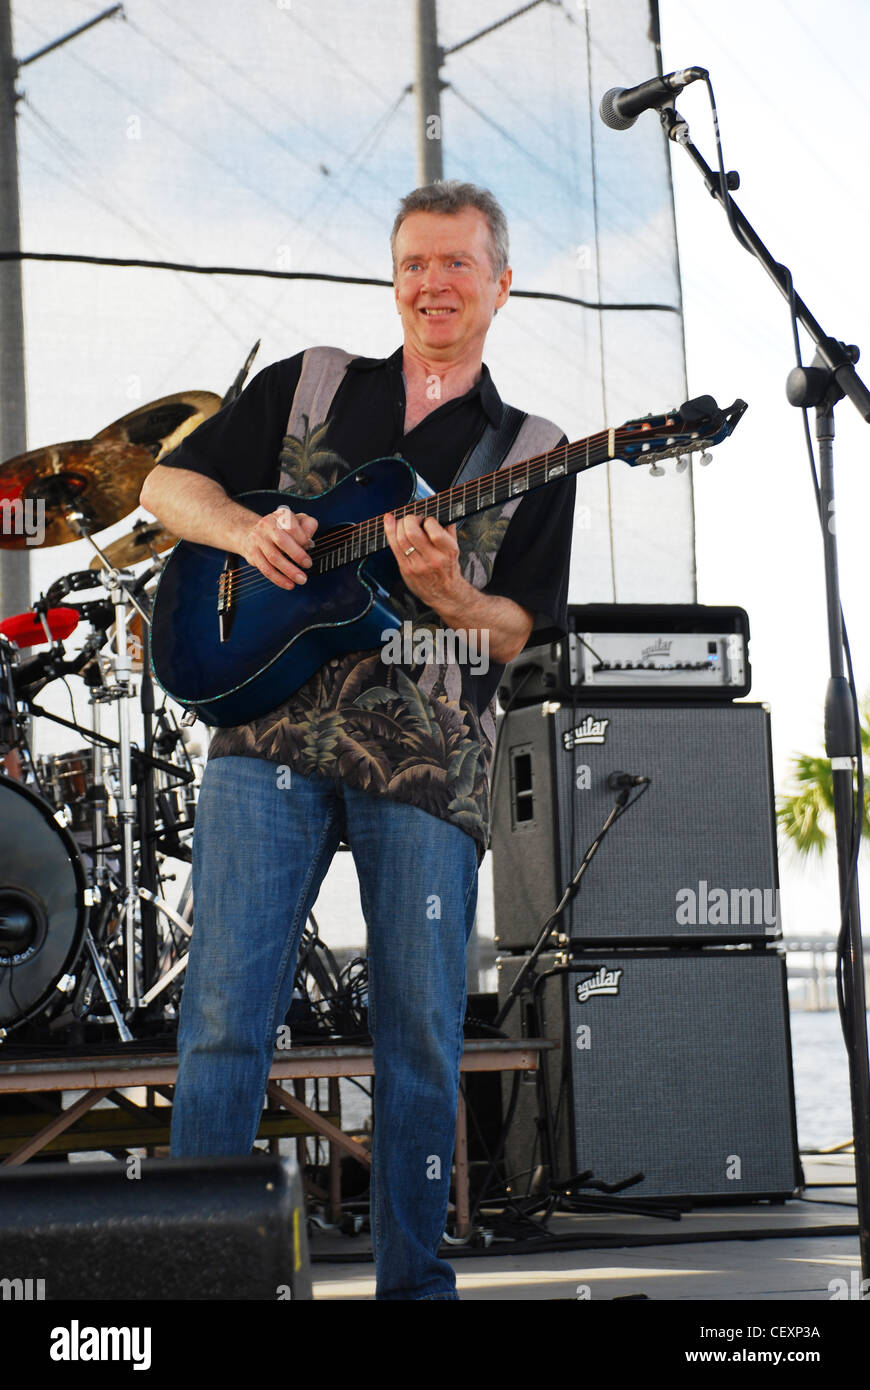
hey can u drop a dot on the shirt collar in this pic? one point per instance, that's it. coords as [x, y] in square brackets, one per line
[485, 387]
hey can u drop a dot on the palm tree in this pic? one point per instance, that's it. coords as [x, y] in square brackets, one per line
[806, 815]
[308, 465]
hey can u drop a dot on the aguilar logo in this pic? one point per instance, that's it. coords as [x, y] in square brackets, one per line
[658, 648]
[604, 981]
[592, 730]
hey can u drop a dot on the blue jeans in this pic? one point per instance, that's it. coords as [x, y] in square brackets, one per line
[261, 851]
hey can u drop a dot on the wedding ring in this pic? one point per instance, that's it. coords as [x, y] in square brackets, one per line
[410, 551]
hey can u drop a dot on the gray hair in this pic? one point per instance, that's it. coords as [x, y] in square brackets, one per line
[450, 196]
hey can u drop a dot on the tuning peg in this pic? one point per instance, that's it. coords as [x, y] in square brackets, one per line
[705, 458]
[656, 470]
[683, 462]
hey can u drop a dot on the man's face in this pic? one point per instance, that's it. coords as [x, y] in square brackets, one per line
[444, 283]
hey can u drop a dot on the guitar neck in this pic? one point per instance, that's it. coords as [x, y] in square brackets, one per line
[355, 542]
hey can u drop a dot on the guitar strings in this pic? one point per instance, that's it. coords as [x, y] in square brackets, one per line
[242, 580]
[245, 578]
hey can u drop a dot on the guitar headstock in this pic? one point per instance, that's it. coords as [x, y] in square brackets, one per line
[697, 425]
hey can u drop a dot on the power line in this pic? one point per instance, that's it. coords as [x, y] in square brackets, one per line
[817, 48]
[76, 182]
[505, 134]
[222, 96]
[253, 271]
[332, 181]
[499, 23]
[204, 154]
[363, 150]
[293, 14]
[258, 85]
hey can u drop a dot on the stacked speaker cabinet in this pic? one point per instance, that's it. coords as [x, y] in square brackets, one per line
[694, 859]
[669, 996]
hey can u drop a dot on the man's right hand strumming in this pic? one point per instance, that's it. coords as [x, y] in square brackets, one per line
[197, 508]
[277, 544]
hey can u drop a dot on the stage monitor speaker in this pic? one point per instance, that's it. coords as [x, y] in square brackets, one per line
[676, 1065]
[693, 861]
[167, 1228]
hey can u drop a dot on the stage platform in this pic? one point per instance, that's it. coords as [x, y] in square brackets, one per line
[757, 1252]
[802, 1249]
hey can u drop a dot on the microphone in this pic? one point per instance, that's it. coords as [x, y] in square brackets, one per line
[619, 780]
[621, 106]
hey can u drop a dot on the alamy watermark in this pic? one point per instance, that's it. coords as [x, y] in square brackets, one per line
[410, 646]
[723, 907]
[23, 517]
[23, 1290]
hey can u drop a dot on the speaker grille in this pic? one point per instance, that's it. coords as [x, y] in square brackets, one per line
[694, 859]
[684, 1073]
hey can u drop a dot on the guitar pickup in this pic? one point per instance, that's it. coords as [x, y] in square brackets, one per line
[226, 603]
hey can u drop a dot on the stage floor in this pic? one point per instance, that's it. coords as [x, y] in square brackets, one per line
[686, 1261]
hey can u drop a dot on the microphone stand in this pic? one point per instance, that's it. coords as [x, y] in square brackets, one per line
[831, 376]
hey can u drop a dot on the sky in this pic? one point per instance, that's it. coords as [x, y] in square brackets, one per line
[158, 136]
[794, 116]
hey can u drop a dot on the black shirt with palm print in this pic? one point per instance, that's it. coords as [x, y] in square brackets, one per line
[420, 732]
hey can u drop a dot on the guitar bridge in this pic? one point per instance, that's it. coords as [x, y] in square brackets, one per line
[226, 598]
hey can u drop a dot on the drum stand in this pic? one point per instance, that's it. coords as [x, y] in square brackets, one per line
[120, 691]
[135, 895]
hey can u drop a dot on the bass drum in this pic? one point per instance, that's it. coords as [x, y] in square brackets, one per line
[42, 904]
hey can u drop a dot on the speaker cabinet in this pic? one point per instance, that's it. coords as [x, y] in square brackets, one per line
[171, 1228]
[525, 1147]
[693, 861]
[675, 1065]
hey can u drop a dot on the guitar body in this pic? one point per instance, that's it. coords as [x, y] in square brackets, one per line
[234, 661]
[276, 638]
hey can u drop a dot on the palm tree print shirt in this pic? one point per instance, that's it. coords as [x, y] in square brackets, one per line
[391, 721]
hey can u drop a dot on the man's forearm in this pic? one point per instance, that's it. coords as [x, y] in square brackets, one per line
[196, 508]
[507, 622]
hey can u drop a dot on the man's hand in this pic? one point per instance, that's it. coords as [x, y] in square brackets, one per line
[277, 545]
[431, 570]
[197, 508]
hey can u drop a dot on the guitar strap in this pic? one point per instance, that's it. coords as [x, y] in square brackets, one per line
[492, 447]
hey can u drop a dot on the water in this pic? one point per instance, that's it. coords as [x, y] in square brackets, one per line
[821, 1077]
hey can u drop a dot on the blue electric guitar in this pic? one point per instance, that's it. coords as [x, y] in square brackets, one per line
[230, 645]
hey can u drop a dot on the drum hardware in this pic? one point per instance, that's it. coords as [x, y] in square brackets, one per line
[108, 989]
[72, 584]
[142, 811]
[148, 538]
[181, 963]
[64, 780]
[10, 722]
[81, 488]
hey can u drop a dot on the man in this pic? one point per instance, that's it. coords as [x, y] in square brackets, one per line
[391, 757]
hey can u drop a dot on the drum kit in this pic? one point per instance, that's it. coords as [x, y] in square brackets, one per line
[88, 944]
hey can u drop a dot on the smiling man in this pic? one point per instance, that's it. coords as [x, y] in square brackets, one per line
[391, 756]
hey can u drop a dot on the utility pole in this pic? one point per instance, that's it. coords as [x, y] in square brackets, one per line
[429, 85]
[430, 164]
[15, 594]
[14, 564]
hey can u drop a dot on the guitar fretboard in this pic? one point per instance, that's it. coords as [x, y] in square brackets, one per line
[355, 542]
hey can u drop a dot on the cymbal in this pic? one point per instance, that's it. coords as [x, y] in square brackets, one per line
[161, 426]
[100, 479]
[147, 539]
